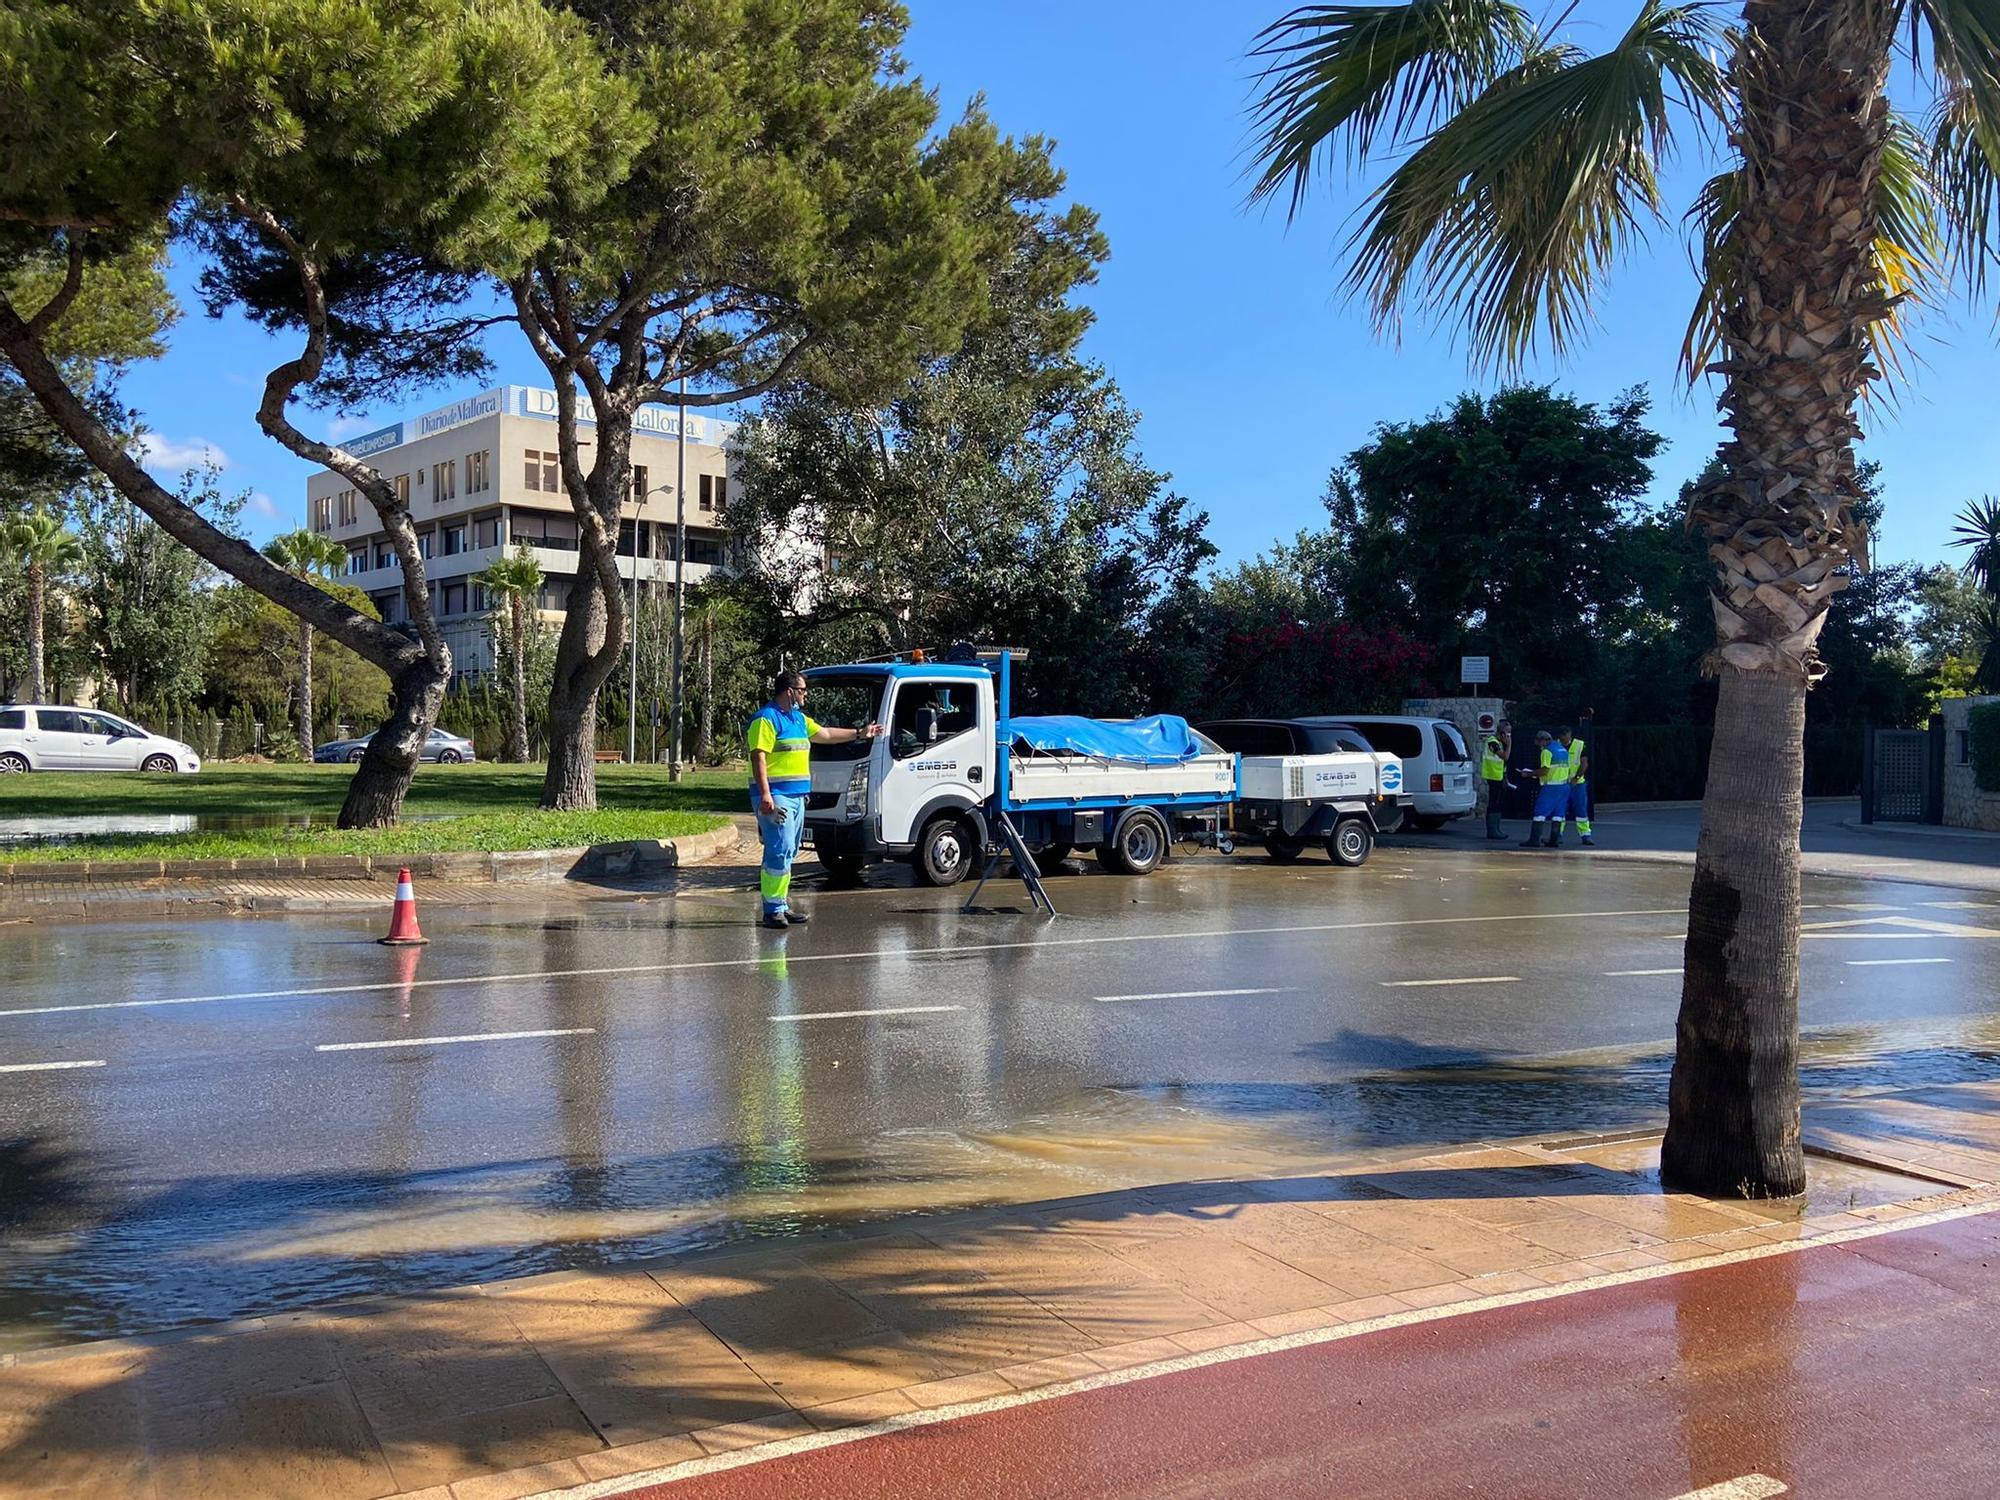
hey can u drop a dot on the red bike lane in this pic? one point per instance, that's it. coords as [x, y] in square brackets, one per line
[1863, 1368]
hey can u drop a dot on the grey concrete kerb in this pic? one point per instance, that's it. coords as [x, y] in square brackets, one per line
[1921, 830]
[632, 858]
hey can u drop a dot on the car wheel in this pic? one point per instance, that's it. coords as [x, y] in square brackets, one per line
[159, 763]
[1430, 823]
[1281, 848]
[1138, 847]
[13, 764]
[354, 756]
[944, 850]
[1351, 842]
[449, 757]
[1049, 858]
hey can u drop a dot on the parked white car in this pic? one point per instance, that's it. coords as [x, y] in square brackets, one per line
[1437, 768]
[46, 737]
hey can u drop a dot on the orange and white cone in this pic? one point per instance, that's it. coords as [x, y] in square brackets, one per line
[403, 930]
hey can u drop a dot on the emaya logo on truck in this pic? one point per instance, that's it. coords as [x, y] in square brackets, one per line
[933, 765]
[1392, 776]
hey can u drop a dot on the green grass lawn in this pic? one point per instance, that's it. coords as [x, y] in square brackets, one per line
[450, 808]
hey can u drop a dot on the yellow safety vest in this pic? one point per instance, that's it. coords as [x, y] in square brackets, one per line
[1555, 772]
[787, 755]
[1577, 746]
[1491, 766]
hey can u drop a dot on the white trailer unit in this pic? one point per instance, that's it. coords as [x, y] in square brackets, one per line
[1344, 797]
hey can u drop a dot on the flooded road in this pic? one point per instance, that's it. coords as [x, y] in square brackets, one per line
[223, 1118]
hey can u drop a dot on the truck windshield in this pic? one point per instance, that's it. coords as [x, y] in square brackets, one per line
[843, 703]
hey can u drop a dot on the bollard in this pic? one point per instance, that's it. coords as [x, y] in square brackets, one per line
[403, 930]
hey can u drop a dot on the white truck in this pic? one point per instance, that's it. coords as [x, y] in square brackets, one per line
[957, 776]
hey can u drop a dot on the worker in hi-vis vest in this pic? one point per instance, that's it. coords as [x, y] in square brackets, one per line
[1493, 771]
[780, 738]
[1579, 789]
[1552, 801]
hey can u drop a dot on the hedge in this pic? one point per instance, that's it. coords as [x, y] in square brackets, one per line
[1984, 721]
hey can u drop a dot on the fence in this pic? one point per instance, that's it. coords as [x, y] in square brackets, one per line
[1669, 762]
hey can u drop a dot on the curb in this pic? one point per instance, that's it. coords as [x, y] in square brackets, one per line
[636, 857]
[1921, 831]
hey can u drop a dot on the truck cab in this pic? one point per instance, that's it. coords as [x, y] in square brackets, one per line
[930, 771]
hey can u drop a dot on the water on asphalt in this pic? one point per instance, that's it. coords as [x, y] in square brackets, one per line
[267, 1113]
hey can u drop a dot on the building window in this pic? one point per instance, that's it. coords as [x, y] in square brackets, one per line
[705, 551]
[385, 557]
[454, 599]
[550, 531]
[478, 472]
[357, 562]
[403, 489]
[424, 539]
[640, 489]
[479, 601]
[543, 472]
[486, 531]
[323, 513]
[444, 481]
[345, 508]
[454, 540]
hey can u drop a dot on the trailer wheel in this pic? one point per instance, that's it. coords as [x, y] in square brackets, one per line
[1351, 842]
[944, 850]
[1049, 858]
[1282, 848]
[1139, 845]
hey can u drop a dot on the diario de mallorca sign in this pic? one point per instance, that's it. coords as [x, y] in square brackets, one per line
[525, 401]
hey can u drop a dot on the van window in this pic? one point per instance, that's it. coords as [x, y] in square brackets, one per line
[1450, 747]
[1405, 741]
[60, 721]
[1251, 739]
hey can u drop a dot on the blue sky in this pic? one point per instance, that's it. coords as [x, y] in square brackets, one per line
[1223, 326]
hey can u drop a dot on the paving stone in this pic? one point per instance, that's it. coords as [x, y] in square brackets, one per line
[533, 1479]
[437, 1358]
[671, 1377]
[1219, 1336]
[638, 1458]
[1361, 1309]
[1234, 1279]
[958, 1389]
[767, 1301]
[1581, 1235]
[451, 1449]
[309, 1442]
[839, 1371]
[1424, 1298]
[738, 1435]
[1138, 1352]
[1043, 1372]
[858, 1410]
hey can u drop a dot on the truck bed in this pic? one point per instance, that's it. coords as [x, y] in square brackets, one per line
[1055, 781]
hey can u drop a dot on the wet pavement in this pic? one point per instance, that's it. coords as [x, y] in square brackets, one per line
[213, 1119]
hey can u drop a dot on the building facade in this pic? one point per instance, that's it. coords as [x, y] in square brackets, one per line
[481, 476]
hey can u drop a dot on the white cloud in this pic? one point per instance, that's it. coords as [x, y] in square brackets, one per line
[262, 504]
[347, 427]
[171, 457]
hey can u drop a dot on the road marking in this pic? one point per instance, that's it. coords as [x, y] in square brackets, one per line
[886, 1010]
[1187, 995]
[446, 1041]
[1879, 963]
[1418, 984]
[757, 962]
[1636, 973]
[48, 1067]
[1746, 1487]
[604, 1489]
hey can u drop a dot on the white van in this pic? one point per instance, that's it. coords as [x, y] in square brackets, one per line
[51, 737]
[1438, 770]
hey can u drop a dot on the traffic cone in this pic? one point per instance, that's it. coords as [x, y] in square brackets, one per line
[403, 931]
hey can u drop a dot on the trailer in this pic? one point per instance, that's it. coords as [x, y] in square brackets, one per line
[957, 779]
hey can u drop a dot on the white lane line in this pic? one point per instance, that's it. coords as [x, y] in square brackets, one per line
[49, 1067]
[446, 1041]
[886, 1010]
[1637, 973]
[718, 1463]
[1420, 984]
[945, 951]
[1188, 995]
[1744, 1487]
[1883, 963]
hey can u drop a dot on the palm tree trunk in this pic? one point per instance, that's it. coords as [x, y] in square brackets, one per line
[305, 691]
[1778, 524]
[517, 721]
[37, 620]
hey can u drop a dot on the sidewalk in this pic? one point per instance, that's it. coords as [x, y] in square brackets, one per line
[505, 1390]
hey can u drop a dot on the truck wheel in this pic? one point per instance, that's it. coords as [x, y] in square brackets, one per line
[842, 866]
[1282, 848]
[944, 850]
[1351, 842]
[1049, 858]
[1138, 847]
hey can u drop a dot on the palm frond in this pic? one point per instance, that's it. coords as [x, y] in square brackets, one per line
[1964, 48]
[1362, 70]
[1979, 529]
[1909, 248]
[1513, 210]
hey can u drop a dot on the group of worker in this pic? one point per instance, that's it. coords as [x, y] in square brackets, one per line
[1562, 782]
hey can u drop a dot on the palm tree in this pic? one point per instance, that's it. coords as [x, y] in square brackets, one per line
[1525, 167]
[308, 555]
[517, 579]
[43, 548]
[1979, 528]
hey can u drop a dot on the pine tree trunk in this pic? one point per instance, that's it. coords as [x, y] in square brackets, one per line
[517, 719]
[37, 622]
[1778, 524]
[570, 783]
[382, 780]
[305, 692]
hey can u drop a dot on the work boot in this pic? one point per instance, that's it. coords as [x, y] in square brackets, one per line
[796, 917]
[1555, 841]
[1589, 842]
[1531, 841]
[776, 921]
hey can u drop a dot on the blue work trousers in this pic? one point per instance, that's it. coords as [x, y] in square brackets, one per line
[780, 835]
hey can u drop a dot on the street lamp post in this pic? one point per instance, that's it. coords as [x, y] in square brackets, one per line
[680, 590]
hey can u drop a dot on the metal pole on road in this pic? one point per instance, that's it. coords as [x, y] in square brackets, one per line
[632, 660]
[680, 589]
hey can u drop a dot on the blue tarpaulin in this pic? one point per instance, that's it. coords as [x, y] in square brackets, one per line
[1159, 740]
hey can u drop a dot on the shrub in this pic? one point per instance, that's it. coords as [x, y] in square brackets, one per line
[1984, 721]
